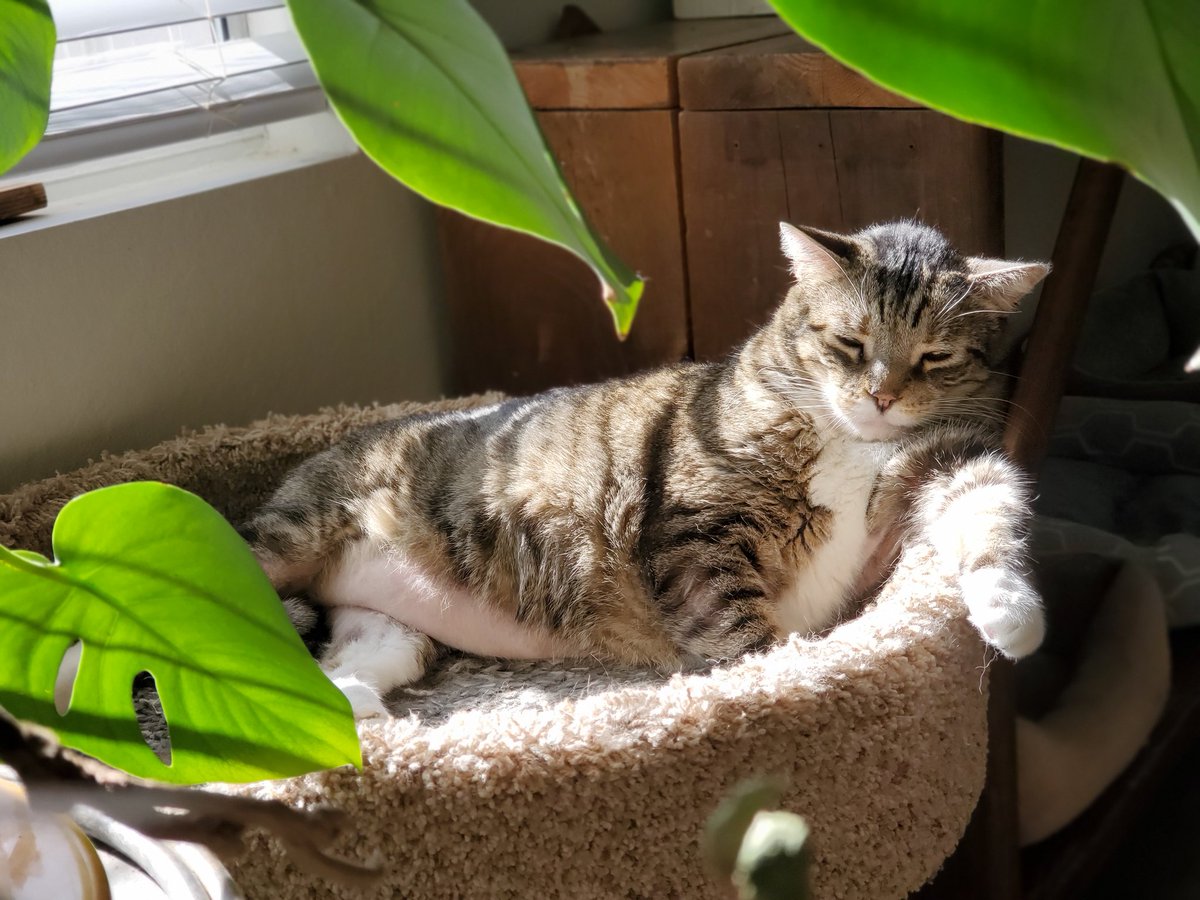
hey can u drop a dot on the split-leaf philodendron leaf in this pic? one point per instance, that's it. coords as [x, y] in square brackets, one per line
[1111, 79]
[26, 54]
[428, 92]
[150, 578]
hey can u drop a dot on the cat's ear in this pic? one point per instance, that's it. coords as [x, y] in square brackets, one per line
[1000, 283]
[816, 253]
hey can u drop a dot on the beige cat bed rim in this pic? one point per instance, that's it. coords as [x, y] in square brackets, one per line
[880, 729]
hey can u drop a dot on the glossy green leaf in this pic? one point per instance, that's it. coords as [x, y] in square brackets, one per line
[1111, 79]
[428, 92]
[26, 54]
[151, 578]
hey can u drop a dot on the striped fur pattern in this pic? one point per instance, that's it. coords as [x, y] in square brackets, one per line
[701, 510]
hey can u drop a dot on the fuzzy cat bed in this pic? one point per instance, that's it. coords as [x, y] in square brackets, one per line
[541, 780]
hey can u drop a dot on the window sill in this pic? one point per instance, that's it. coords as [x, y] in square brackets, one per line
[116, 183]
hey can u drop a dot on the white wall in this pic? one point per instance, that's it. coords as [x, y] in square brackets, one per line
[1037, 180]
[282, 294]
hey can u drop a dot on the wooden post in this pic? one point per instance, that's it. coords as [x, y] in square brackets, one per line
[987, 863]
[1056, 326]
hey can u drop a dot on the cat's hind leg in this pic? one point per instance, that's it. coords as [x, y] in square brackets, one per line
[720, 612]
[306, 523]
[369, 654]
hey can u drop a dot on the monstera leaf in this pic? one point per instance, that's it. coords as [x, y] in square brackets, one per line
[1111, 79]
[149, 578]
[26, 54]
[428, 92]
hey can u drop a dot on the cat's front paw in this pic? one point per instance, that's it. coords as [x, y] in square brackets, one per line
[1006, 609]
[364, 699]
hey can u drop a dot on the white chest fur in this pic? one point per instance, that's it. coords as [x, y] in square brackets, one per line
[846, 473]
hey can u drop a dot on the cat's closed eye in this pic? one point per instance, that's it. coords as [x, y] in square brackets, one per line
[935, 356]
[852, 345]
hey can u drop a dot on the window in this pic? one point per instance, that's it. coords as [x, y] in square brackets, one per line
[134, 74]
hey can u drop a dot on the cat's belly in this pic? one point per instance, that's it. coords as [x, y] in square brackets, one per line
[368, 577]
[846, 474]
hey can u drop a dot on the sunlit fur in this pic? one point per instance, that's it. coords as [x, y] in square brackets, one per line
[697, 510]
[893, 314]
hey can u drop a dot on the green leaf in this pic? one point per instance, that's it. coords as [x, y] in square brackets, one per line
[774, 859]
[428, 92]
[151, 578]
[727, 825]
[1111, 79]
[26, 54]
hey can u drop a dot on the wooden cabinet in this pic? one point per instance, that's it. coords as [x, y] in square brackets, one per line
[687, 143]
[525, 315]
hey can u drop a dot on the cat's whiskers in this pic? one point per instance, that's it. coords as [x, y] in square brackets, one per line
[983, 312]
[782, 378]
[969, 408]
[786, 372]
[814, 407]
[799, 390]
[949, 307]
[1003, 400]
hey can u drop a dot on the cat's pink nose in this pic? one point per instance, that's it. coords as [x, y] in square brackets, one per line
[883, 399]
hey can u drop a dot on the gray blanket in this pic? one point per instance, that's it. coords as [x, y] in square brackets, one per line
[1122, 479]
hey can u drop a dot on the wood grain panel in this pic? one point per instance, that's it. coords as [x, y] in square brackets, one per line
[737, 187]
[810, 170]
[744, 171]
[525, 315]
[632, 69]
[776, 73]
[897, 163]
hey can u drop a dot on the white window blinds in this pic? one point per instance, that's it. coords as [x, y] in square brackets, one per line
[130, 74]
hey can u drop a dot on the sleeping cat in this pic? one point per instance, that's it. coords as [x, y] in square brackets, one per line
[701, 510]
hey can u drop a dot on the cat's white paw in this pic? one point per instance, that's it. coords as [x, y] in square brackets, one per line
[364, 699]
[1006, 609]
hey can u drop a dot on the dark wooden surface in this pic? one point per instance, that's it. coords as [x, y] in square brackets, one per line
[784, 72]
[525, 315]
[21, 199]
[735, 192]
[744, 172]
[920, 163]
[987, 864]
[634, 69]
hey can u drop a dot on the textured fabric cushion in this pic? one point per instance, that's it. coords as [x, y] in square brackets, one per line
[541, 780]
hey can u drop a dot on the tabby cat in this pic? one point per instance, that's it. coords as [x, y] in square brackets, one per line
[701, 510]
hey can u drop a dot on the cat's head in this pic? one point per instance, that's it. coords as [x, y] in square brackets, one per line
[892, 326]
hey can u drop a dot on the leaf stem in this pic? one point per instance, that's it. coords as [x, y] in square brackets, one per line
[8, 557]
